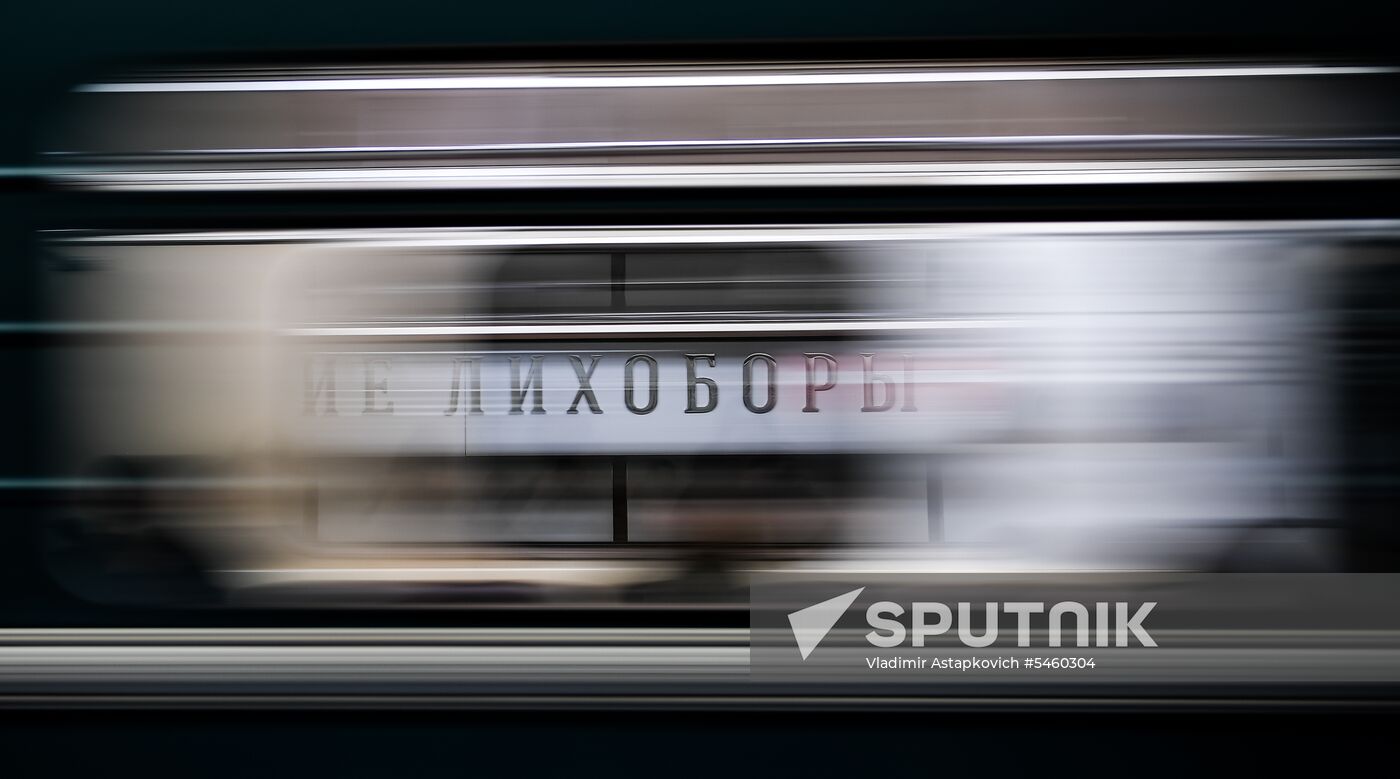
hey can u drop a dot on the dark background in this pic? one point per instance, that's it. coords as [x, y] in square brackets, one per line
[46, 46]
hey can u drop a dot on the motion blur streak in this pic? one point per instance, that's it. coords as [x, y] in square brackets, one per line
[720, 79]
[865, 391]
[511, 384]
[755, 125]
[632, 667]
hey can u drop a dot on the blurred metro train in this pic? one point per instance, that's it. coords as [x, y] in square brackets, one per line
[1047, 316]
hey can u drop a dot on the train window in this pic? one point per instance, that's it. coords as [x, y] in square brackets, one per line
[414, 500]
[659, 283]
[443, 287]
[782, 500]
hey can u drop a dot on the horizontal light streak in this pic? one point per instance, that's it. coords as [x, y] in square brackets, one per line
[687, 235]
[641, 328]
[744, 143]
[720, 78]
[730, 175]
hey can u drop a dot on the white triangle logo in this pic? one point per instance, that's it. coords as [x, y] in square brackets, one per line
[810, 625]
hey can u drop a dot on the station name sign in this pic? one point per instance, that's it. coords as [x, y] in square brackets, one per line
[886, 382]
